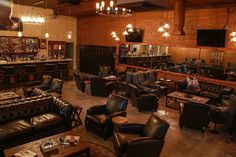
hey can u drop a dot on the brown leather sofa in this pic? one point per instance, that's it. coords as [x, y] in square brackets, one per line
[99, 118]
[141, 140]
[210, 90]
[35, 117]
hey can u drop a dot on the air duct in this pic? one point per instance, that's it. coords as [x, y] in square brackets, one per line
[179, 18]
[5, 14]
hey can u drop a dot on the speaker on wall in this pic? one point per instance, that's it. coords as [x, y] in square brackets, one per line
[74, 2]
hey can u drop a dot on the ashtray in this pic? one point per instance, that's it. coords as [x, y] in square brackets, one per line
[188, 95]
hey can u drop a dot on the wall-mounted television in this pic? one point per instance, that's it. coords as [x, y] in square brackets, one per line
[211, 37]
[136, 36]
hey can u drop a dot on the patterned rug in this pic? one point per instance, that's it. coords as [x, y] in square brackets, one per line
[97, 150]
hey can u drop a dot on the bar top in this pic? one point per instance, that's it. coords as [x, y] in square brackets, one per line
[34, 61]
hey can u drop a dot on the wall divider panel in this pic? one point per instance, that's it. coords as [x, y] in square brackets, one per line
[92, 56]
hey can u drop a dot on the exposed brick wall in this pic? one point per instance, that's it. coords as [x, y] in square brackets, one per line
[96, 30]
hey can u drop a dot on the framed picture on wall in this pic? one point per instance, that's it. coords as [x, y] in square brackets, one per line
[43, 43]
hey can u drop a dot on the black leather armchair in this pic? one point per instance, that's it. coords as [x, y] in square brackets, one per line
[99, 118]
[226, 115]
[139, 140]
[80, 81]
[118, 87]
[144, 102]
[55, 86]
[43, 84]
[195, 116]
[98, 86]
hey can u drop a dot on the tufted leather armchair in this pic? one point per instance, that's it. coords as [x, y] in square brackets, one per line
[139, 140]
[144, 102]
[99, 118]
[55, 86]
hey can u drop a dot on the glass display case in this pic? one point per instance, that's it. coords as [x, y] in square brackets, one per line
[16, 45]
[56, 49]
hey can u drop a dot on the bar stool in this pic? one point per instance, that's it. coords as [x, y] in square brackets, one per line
[10, 78]
[63, 71]
[49, 69]
[30, 73]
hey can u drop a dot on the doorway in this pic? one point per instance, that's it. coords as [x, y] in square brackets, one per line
[69, 50]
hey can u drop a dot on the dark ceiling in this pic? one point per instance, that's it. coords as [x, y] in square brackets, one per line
[87, 7]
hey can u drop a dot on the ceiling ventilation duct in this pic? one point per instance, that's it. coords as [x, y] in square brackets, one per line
[5, 13]
[179, 18]
[142, 5]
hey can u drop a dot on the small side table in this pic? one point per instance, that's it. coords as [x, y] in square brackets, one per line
[119, 120]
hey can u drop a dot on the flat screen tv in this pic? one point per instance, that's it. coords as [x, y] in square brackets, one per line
[136, 36]
[211, 38]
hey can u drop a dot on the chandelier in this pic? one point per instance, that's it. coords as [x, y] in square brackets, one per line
[111, 10]
[32, 20]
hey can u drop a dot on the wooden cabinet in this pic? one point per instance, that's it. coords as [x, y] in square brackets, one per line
[56, 48]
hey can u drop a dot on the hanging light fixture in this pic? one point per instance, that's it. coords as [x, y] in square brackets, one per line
[233, 34]
[164, 27]
[19, 34]
[113, 35]
[111, 10]
[128, 29]
[69, 33]
[46, 34]
[165, 34]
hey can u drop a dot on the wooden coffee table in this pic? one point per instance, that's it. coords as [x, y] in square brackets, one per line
[9, 96]
[81, 148]
[183, 97]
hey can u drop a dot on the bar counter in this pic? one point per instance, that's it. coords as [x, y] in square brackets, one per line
[34, 61]
[20, 68]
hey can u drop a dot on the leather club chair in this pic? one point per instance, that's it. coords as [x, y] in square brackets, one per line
[144, 102]
[44, 83]
[194, 116]
[80, 81]
[99, 118]
[141, 140]
[98, 86]
[226, 115]
[104, 70]
[55, 86]
[118, 87]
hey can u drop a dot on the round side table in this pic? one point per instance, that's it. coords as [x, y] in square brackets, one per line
[119, 120]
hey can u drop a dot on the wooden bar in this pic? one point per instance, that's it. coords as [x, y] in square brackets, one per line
[20, 68]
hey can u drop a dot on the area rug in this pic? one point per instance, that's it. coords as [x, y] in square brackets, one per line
[97, 150]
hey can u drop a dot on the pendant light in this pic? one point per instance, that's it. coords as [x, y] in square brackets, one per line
[46, 34]
[69, 32]
[19, 34]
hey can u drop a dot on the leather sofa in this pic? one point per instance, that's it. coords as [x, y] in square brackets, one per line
[194, 116]
[99, 118]
[35, 117]
[210, 90]
[141, 140]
